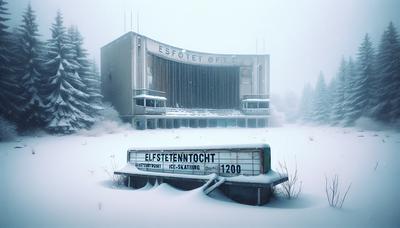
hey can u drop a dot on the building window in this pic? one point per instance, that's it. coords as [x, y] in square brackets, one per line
[149, 103]
[159, 104]
[263, 104]
[252, 105]
[140, 102]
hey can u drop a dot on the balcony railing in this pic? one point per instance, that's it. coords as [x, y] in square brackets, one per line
[256, 111]
[259, 96]
[142, 110]
[148, 92]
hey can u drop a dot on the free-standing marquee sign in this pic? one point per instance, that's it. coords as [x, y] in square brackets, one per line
[243, 172]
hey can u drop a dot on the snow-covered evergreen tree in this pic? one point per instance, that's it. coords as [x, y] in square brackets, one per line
[94, 87]
[321, 106]
[28, 70]
[9, 90]
[337, 109]
[330, 98]
[388, 66]
[366, 73]
[88, 75]
[359, 81]
[351, 77]
[65, 96]
[306, 104]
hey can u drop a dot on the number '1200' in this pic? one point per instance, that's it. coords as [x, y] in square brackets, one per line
[230, 168]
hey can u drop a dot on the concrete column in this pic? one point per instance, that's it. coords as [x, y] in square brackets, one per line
[176, 123]
[254, 78]
[143, 48]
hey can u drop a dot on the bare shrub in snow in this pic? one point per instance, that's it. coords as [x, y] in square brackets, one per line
[7, 130]
[117, 180]
[333, 193]
[291, 188]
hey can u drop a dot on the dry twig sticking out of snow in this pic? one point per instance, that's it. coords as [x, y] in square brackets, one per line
[333, 193]
[117, 180]
[376, 165]
[291, 188]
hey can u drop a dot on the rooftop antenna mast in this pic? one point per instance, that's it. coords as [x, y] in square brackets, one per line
[131, 21]
[137, 21]
[263, 45]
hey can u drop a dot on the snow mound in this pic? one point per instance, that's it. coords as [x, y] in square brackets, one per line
[107, 123]
[109, 113]
[105, 127]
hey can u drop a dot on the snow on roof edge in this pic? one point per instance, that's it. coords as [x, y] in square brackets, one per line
[150, 97]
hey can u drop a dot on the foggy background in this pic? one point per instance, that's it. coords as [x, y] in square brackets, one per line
[303, 37]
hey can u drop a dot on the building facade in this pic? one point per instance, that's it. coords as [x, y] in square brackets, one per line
[155, 85]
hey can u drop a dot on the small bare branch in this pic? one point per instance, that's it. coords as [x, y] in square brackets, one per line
[333, 193]
[116, 179]
[291, 188]
[376, 165]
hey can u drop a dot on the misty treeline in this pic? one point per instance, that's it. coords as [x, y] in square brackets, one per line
[50, 85]
[367, 86]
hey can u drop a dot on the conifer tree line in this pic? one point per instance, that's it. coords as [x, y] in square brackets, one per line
[367, 86]
[51, 84]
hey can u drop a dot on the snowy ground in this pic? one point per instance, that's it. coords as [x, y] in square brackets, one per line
[62, 181]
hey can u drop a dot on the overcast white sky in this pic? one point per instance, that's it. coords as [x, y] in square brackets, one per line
[303, 37]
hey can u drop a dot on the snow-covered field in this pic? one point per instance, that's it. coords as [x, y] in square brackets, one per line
[63, 181]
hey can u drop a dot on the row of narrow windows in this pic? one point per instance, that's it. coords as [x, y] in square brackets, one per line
[193, 86]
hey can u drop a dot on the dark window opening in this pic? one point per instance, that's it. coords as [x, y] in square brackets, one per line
[159, 104]
[263, 104]
[140, 102]
[252, 105]
[149, 103]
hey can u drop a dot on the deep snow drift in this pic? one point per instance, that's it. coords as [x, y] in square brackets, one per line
[64, 181]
